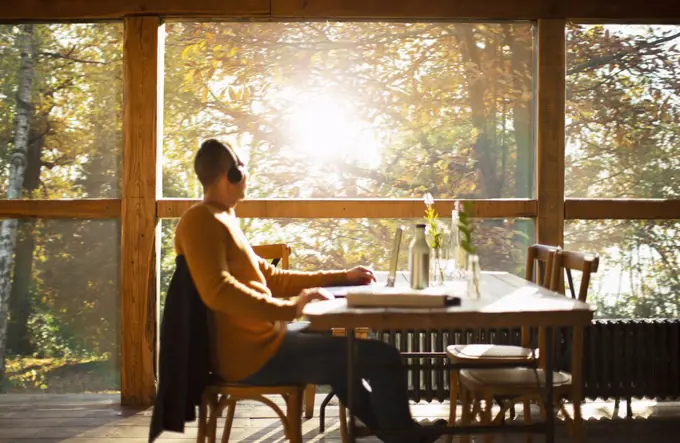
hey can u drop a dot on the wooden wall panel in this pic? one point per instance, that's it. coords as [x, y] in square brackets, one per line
[111, 9]
[138, 214]
[550, 131]
[337, 208]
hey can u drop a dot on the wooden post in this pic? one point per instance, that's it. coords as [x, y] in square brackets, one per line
[138, 210]
[550, 131]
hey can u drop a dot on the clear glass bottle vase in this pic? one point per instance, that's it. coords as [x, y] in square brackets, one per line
[457, 255]
[474, 274]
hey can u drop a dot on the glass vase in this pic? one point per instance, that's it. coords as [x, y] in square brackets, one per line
[438, 266]
[474, 274]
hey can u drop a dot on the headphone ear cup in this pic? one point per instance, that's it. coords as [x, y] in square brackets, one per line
[235, 175]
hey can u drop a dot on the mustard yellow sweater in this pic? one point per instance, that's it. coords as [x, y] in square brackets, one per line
[250, 300]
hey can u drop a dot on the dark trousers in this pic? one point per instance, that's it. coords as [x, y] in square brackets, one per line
[380, 392]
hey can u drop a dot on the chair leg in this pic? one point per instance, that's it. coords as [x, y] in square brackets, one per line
[310, 392]
[202, 420]
[486, 416]
[294, 416]
[453, 396]
[453, 400]
[231, 410]
[322, 411]
[214, 411]
[466, 414]
[577, 419]
[527, 417]
[344, 434]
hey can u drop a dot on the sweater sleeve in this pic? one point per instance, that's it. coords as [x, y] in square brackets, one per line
[286, 284]
[204, 242]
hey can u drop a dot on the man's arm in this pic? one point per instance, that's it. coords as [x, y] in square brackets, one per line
[286, 283]
[203, 241]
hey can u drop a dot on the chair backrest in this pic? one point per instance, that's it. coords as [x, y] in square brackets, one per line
[277, 253]
[544, 256]
[567, 261]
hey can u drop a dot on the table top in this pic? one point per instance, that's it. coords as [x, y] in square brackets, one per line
[506, 301]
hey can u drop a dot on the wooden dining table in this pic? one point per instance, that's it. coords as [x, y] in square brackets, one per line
[506, 301]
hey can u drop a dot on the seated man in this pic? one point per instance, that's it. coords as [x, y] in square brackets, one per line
[251, 301]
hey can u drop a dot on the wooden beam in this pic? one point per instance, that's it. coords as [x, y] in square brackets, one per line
[85, 209]
[138, 214]
[550, 131]
[477, 9]
[405, 9]
[662, 11]
[118, 9]
[356, 208]
[622, 209]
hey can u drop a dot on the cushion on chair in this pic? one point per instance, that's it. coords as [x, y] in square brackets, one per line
[520, 378]
[487, 353]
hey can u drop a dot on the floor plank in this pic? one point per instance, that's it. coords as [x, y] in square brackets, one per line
[96, 418]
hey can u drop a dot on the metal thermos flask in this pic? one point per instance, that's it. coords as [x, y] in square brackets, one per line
[419, 259]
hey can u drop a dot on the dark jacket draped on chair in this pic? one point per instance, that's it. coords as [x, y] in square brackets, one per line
[184, 360]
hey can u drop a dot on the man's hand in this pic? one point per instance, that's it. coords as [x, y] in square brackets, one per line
[307, 295]
[360, 275]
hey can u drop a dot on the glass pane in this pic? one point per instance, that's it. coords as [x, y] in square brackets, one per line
[343, 243]
[639, 260]
[64, 306]
[623, 110]
[354, 110]
[61, 94]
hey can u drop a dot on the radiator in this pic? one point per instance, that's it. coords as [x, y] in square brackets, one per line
[622, 358]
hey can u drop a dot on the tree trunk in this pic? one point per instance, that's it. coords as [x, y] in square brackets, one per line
[8, 232]
[484, 147]
[20, 304]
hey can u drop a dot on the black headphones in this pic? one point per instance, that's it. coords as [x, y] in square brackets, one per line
[235, 174]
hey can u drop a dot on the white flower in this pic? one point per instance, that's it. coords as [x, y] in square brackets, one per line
[429, 201]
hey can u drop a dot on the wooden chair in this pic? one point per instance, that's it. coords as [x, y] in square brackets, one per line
[521, 384]
[219, 395]
[539, 270]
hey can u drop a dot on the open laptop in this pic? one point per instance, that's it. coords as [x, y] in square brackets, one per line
[341, 291]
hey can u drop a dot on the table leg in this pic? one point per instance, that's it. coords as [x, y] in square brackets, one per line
[350, 385]
[549, 400]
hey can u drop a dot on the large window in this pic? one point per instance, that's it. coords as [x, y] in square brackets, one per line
[61, 97]
[623, 141]
[365, 110]
[61, 94]
[63, 332]
[639, 261]
[623, 110]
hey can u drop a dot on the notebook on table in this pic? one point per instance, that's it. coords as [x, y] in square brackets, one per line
[401, 297]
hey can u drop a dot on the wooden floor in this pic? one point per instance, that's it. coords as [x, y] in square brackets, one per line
[95, 418]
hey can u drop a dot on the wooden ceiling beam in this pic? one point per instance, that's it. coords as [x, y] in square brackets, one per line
[660, 11]
[117, 9]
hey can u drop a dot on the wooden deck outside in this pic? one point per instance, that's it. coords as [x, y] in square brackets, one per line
[94, 418]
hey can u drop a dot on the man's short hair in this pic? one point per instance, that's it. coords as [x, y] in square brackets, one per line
[213, 160]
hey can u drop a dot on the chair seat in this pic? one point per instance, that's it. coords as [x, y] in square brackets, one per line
[488, 353]
[509, 378]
